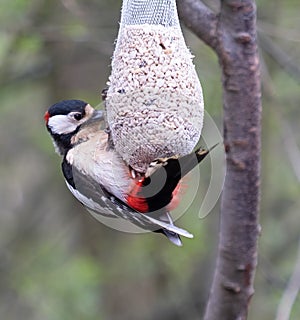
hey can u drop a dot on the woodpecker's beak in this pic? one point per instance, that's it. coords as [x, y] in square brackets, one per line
[98, 115]
[94, 117]
[93, 114]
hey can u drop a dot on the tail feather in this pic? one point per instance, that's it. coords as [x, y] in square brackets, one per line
[172, 236]
[189, 162]
[170, 230]
[168, 226]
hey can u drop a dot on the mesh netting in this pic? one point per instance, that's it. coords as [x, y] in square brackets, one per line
[154, 101]
[157, 12]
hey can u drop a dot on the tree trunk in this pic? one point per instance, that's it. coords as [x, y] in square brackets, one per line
[232, 35]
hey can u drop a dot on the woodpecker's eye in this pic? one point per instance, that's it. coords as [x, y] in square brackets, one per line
[76, 115]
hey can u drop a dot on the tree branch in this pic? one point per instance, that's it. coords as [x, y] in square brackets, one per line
[232, 286]
[200, 19]
[232, 34]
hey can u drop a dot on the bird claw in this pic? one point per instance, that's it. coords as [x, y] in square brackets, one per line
[134, 174]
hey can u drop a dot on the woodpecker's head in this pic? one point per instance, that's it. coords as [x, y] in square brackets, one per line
[63, 121]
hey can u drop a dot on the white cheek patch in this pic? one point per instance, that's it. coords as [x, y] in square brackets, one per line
[62, 124]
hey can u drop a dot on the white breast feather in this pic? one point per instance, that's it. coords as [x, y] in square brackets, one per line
[105, 167]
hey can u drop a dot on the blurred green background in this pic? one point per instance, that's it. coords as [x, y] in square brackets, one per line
[56, 261]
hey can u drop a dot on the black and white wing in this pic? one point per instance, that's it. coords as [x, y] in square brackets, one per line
[94, 196]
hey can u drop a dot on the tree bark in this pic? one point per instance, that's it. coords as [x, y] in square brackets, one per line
[231, 33]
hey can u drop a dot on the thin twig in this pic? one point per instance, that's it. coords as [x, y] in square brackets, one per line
[293, 287]
[290, 293]
[284, 60]
[292, 149]
[278, 32]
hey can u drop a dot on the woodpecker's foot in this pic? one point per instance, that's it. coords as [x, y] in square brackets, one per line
[134, 174]
[110, 143]
[104, 93]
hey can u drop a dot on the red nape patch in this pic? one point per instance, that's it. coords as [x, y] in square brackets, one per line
[135, 201]
[46, 117]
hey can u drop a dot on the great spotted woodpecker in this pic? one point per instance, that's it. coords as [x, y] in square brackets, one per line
[98, 177]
